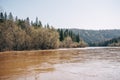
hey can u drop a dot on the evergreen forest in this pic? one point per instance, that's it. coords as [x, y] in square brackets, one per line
[25, 34]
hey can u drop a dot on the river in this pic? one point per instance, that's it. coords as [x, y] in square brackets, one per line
[91, 63]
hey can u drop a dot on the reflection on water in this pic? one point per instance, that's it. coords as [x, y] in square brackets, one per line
[62, 64]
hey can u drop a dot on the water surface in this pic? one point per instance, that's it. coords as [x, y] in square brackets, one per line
[61, 64]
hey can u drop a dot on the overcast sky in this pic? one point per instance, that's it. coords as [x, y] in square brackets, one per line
[82, 14]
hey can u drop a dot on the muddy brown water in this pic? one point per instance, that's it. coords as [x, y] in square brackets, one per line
[61, 64]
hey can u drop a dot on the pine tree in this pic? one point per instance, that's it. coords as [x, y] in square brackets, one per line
[16, 19]
[66, 33]
[48, 26]
[61, 35]
[27, 21]
[40, 24]
[5, 16]
[77, 38]
[1, 17]
[32, 24]
[10, 17]
[36, 21]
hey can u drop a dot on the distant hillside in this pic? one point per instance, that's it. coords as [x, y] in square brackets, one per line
[95, 36]
[112, 42]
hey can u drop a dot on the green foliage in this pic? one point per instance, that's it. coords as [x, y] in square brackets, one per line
[10, 17]
[67, 42]
[93, 37]
[61, 33]
[65, 33]
[82, 44]
[21, 35]
[77, 38]
[5, 16]
[70, 39]
[111, 42]
[1, 17]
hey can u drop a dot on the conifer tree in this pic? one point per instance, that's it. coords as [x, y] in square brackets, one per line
[36, 22]
[10, 17]
[27, 22]
[40, 24]
[5, 16]
[48, 26]
[77, 38]
[1, 17]
[61, 35]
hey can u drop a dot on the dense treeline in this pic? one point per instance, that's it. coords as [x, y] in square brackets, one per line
[23, 34]
[69, 39]
[19, 34]
[65, 32]
[111, 42]
[93, 37]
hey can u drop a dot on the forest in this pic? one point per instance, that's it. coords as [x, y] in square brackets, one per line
[95, 37]
[111, 42]
[25, 34]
